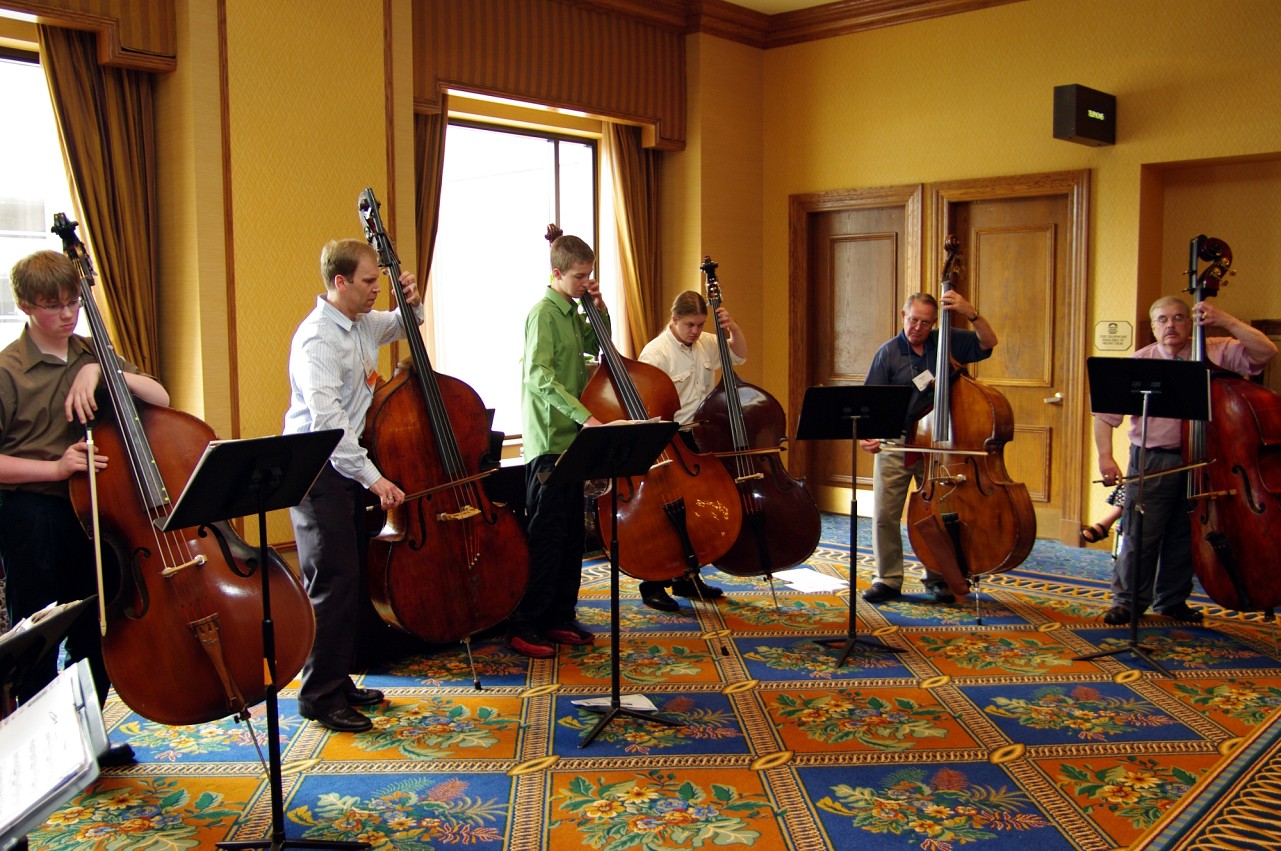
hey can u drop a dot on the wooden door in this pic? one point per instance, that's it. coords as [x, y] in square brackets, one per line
[860, 255]
[857, 254]
[1024, 270]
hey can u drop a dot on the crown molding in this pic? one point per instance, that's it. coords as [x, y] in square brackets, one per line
[852, 16]
[736, 23]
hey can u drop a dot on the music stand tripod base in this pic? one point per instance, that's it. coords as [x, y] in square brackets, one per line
[239, 478]
[838, 412]
[614, 451]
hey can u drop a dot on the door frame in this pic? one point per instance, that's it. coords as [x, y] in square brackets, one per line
[799, 287]
[1075, 185]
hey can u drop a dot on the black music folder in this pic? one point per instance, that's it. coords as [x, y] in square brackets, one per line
[237, 478]
[1175, 389]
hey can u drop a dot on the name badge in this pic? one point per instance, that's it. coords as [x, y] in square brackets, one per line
[923, 380]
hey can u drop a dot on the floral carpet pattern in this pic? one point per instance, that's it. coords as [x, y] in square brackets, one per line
[984, 730]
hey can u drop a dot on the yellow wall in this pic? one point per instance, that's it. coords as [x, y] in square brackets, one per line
[193, 298]
[717, 182]
[971, 96]
[308, 127]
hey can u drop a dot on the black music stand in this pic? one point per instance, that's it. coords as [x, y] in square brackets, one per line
[21, 651]
[236, 478]
[866, 412]
[612, 451]
[1145, 387]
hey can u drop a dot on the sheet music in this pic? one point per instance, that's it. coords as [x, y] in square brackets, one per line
[27, 622]
[44, 754]
[810, 581]
[636, 702]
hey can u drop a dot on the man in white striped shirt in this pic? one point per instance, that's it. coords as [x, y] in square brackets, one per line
[332, 373]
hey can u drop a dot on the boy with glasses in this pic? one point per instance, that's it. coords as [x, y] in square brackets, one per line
[48, 380]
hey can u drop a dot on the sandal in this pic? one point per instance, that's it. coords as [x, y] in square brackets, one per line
[1094, 534]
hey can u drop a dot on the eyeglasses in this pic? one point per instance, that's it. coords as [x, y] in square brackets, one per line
[917, 323]
[1162, 321]
[73, 305]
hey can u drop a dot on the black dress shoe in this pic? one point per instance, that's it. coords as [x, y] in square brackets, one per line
[116, 755]
[654, 595]
[1116, 615]
[695, 588]
[1182, 612]
[880, 593]
[344, 719]
[365, 697]
[941, 594]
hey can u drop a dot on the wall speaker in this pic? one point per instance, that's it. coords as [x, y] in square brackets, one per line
[1084, 115]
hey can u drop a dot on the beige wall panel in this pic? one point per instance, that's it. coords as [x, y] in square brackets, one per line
[1241, 204]
[194, 303]
[1012, 280]
[308, 131]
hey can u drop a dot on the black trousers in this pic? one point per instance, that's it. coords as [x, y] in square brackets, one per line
[555, 536]
[329, 528]
[48, 559]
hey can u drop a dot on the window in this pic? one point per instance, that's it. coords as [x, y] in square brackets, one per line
[33, 182]
[501, 187]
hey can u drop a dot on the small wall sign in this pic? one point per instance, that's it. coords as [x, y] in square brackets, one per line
[1113, 336]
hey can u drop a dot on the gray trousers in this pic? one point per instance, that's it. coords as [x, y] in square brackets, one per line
[891, 481]
[1163, 578]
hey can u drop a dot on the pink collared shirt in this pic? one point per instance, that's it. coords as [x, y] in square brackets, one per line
[1164, 433]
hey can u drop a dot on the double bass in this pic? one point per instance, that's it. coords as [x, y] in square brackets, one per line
[184, 636]
[1235, 498]
[745, 427]
[968, 518]
[447, 563]
[682, 514]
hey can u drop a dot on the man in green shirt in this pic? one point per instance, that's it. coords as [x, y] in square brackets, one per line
[554, 374]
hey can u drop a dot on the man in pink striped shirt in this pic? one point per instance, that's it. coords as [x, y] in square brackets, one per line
[1164, 578]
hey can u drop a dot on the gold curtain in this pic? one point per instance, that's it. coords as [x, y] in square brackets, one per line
[429, 166]
[106, 125]
[634, 172]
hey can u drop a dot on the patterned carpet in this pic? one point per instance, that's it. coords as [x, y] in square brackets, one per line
[986, 735]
